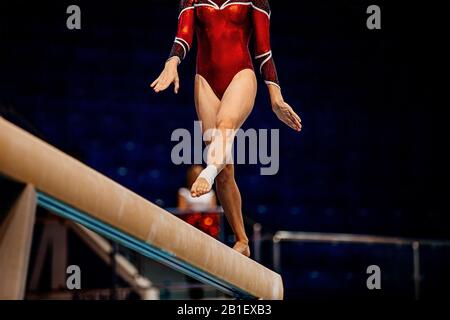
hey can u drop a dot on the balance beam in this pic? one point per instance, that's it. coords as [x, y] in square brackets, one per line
[71, 189]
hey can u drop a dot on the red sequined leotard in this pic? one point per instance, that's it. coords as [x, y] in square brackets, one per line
[223, 30]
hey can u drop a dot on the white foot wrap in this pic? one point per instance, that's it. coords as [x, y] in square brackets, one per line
[209, 174]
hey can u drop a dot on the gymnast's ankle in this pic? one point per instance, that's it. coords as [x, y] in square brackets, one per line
[242, 247]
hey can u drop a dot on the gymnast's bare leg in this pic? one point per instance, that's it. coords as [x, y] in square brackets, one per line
[230, 113]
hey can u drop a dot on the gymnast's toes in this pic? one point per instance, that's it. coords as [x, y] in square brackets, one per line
[200, 187]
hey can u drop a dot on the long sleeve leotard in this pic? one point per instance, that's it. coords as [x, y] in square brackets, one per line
[223, 30]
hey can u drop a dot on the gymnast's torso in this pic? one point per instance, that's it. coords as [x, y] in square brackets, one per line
[223, 43]
[223, 29]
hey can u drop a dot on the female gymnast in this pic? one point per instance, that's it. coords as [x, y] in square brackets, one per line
[225, 86]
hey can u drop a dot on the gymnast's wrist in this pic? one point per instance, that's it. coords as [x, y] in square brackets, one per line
[173, 61]
[276, 98]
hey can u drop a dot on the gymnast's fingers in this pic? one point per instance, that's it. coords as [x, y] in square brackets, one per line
[292, 121]
[296, 116]
[176, 84]
[162, 85]
[293, 117]
[165, 84]
[157, 86]
[289, 122]
[295, 120]
[154, 82]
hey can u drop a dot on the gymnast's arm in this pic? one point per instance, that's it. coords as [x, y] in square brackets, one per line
[263, 55]
[181, 46]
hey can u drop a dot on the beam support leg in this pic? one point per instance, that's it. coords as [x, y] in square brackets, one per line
[16, 233]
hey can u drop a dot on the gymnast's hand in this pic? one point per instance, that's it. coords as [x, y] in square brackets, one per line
[283, 110]
[168, 76]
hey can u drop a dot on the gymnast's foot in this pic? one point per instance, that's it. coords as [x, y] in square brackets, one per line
[200, 187]
[242, 247]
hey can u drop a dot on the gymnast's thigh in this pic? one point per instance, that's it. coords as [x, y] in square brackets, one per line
[238, 100]
[207, 103]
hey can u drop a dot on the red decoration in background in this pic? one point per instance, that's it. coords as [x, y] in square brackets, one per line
[207, 222]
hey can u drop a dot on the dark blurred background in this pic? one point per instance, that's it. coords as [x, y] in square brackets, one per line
[373, 157]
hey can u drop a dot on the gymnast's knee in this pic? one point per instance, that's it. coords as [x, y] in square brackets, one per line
[223, 124]
[225, 176]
